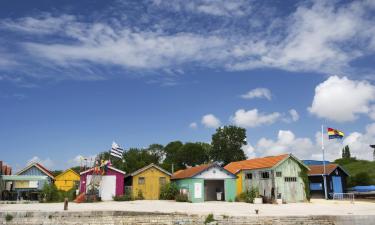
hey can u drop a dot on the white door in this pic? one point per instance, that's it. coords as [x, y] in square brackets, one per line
[107, 187]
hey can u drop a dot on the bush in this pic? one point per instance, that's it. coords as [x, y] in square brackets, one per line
[122, 198]
[140, 195]
[248, 195]
[181, 198]
[209, 218]
[168, 191]
[51, 194]
[8, 218]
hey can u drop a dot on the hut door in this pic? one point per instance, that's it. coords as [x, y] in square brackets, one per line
[337, 186]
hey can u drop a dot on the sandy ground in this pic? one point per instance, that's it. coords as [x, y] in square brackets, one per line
[316, 207]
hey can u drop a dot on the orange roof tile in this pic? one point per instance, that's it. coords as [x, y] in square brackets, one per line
[257, 163]
[190, 172]
[319, 169]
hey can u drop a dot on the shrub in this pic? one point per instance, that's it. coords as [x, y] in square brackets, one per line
[168, 191]
[248, 195]
[51, 194]
[140, 195]
[209, 218]
[122, 198]
[182, 198]
[8, 217]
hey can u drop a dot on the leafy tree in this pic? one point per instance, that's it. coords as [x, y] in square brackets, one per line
[346, 152]
[170, 151]
[191, 154]
[157, 152]
[227, 144]
[362, 178]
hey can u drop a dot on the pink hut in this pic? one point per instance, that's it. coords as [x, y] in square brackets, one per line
[110, 183]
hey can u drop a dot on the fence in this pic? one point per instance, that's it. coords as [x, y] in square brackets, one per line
[343, 196]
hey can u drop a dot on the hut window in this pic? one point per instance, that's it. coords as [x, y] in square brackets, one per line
[162, 181]
[141, 180]
[278, 174]
[265, 175]
[290, 179]
[249, 176]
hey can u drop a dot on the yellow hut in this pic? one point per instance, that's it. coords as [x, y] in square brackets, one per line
[147, 181]
[67, 180]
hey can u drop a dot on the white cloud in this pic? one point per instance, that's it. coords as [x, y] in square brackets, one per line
[340, 99]
[47, 162]
[372, 112]
[294, 116]
[253, 118]
[321, 36]
[193, 125]
[208, 7]
[210, 121]
[79, 160]
[249, 151]
[305, 148]
[258, 93]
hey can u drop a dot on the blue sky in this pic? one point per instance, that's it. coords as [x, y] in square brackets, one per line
[75, 76]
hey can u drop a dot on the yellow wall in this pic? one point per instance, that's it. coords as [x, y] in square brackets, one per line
[22, 184]
[151, 188]
[66, 180]
[239, 182]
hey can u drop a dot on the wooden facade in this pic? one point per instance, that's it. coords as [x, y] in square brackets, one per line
[274, 177]
[208, 182]
[67, 180]
[111, 183]
[336, 178]
[148, 181]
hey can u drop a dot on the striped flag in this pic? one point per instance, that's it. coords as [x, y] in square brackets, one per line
[334, 133]
[116, 151]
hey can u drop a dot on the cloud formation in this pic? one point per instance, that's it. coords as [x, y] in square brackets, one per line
[210, 121]
[258, 93]
[341, 99]
[253, 118]
[305, 148]
[318, 36]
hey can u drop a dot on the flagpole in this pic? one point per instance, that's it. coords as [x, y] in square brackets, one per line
[324, 166]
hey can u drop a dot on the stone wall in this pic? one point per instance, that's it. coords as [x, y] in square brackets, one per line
[142, 218]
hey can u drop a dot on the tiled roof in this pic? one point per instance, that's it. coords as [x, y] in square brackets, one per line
[319, 169]
[257, 163]
[190, 172]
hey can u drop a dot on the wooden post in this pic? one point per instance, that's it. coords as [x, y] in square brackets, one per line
[65, 203]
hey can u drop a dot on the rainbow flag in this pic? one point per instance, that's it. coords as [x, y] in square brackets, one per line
[333, 133]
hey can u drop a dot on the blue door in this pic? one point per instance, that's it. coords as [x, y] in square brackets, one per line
[337, 186]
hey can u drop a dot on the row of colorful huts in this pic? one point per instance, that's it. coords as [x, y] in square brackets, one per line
[275, 177]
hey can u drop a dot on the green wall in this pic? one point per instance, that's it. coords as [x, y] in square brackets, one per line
[230, 189]
[229, 186]
[189, 184]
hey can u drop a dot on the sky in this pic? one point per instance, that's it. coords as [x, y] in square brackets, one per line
[77, 75]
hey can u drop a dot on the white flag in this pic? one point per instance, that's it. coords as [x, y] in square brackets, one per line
[116, 151]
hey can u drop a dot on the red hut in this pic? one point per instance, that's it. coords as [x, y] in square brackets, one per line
[110, 182]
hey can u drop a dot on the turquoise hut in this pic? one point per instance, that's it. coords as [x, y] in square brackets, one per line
[209, 182]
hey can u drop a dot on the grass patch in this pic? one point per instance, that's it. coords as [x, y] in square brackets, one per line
[8, 218]
[209, 219]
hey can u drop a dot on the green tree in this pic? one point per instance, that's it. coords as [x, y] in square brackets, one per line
[171, 151]
[227, 144]
[362, 178]
[346, 152]
[191, 154]
[157, 152]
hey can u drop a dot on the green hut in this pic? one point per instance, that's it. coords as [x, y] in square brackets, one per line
[208, 182]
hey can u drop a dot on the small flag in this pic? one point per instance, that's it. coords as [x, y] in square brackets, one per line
[333, 133]
[116, 151]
